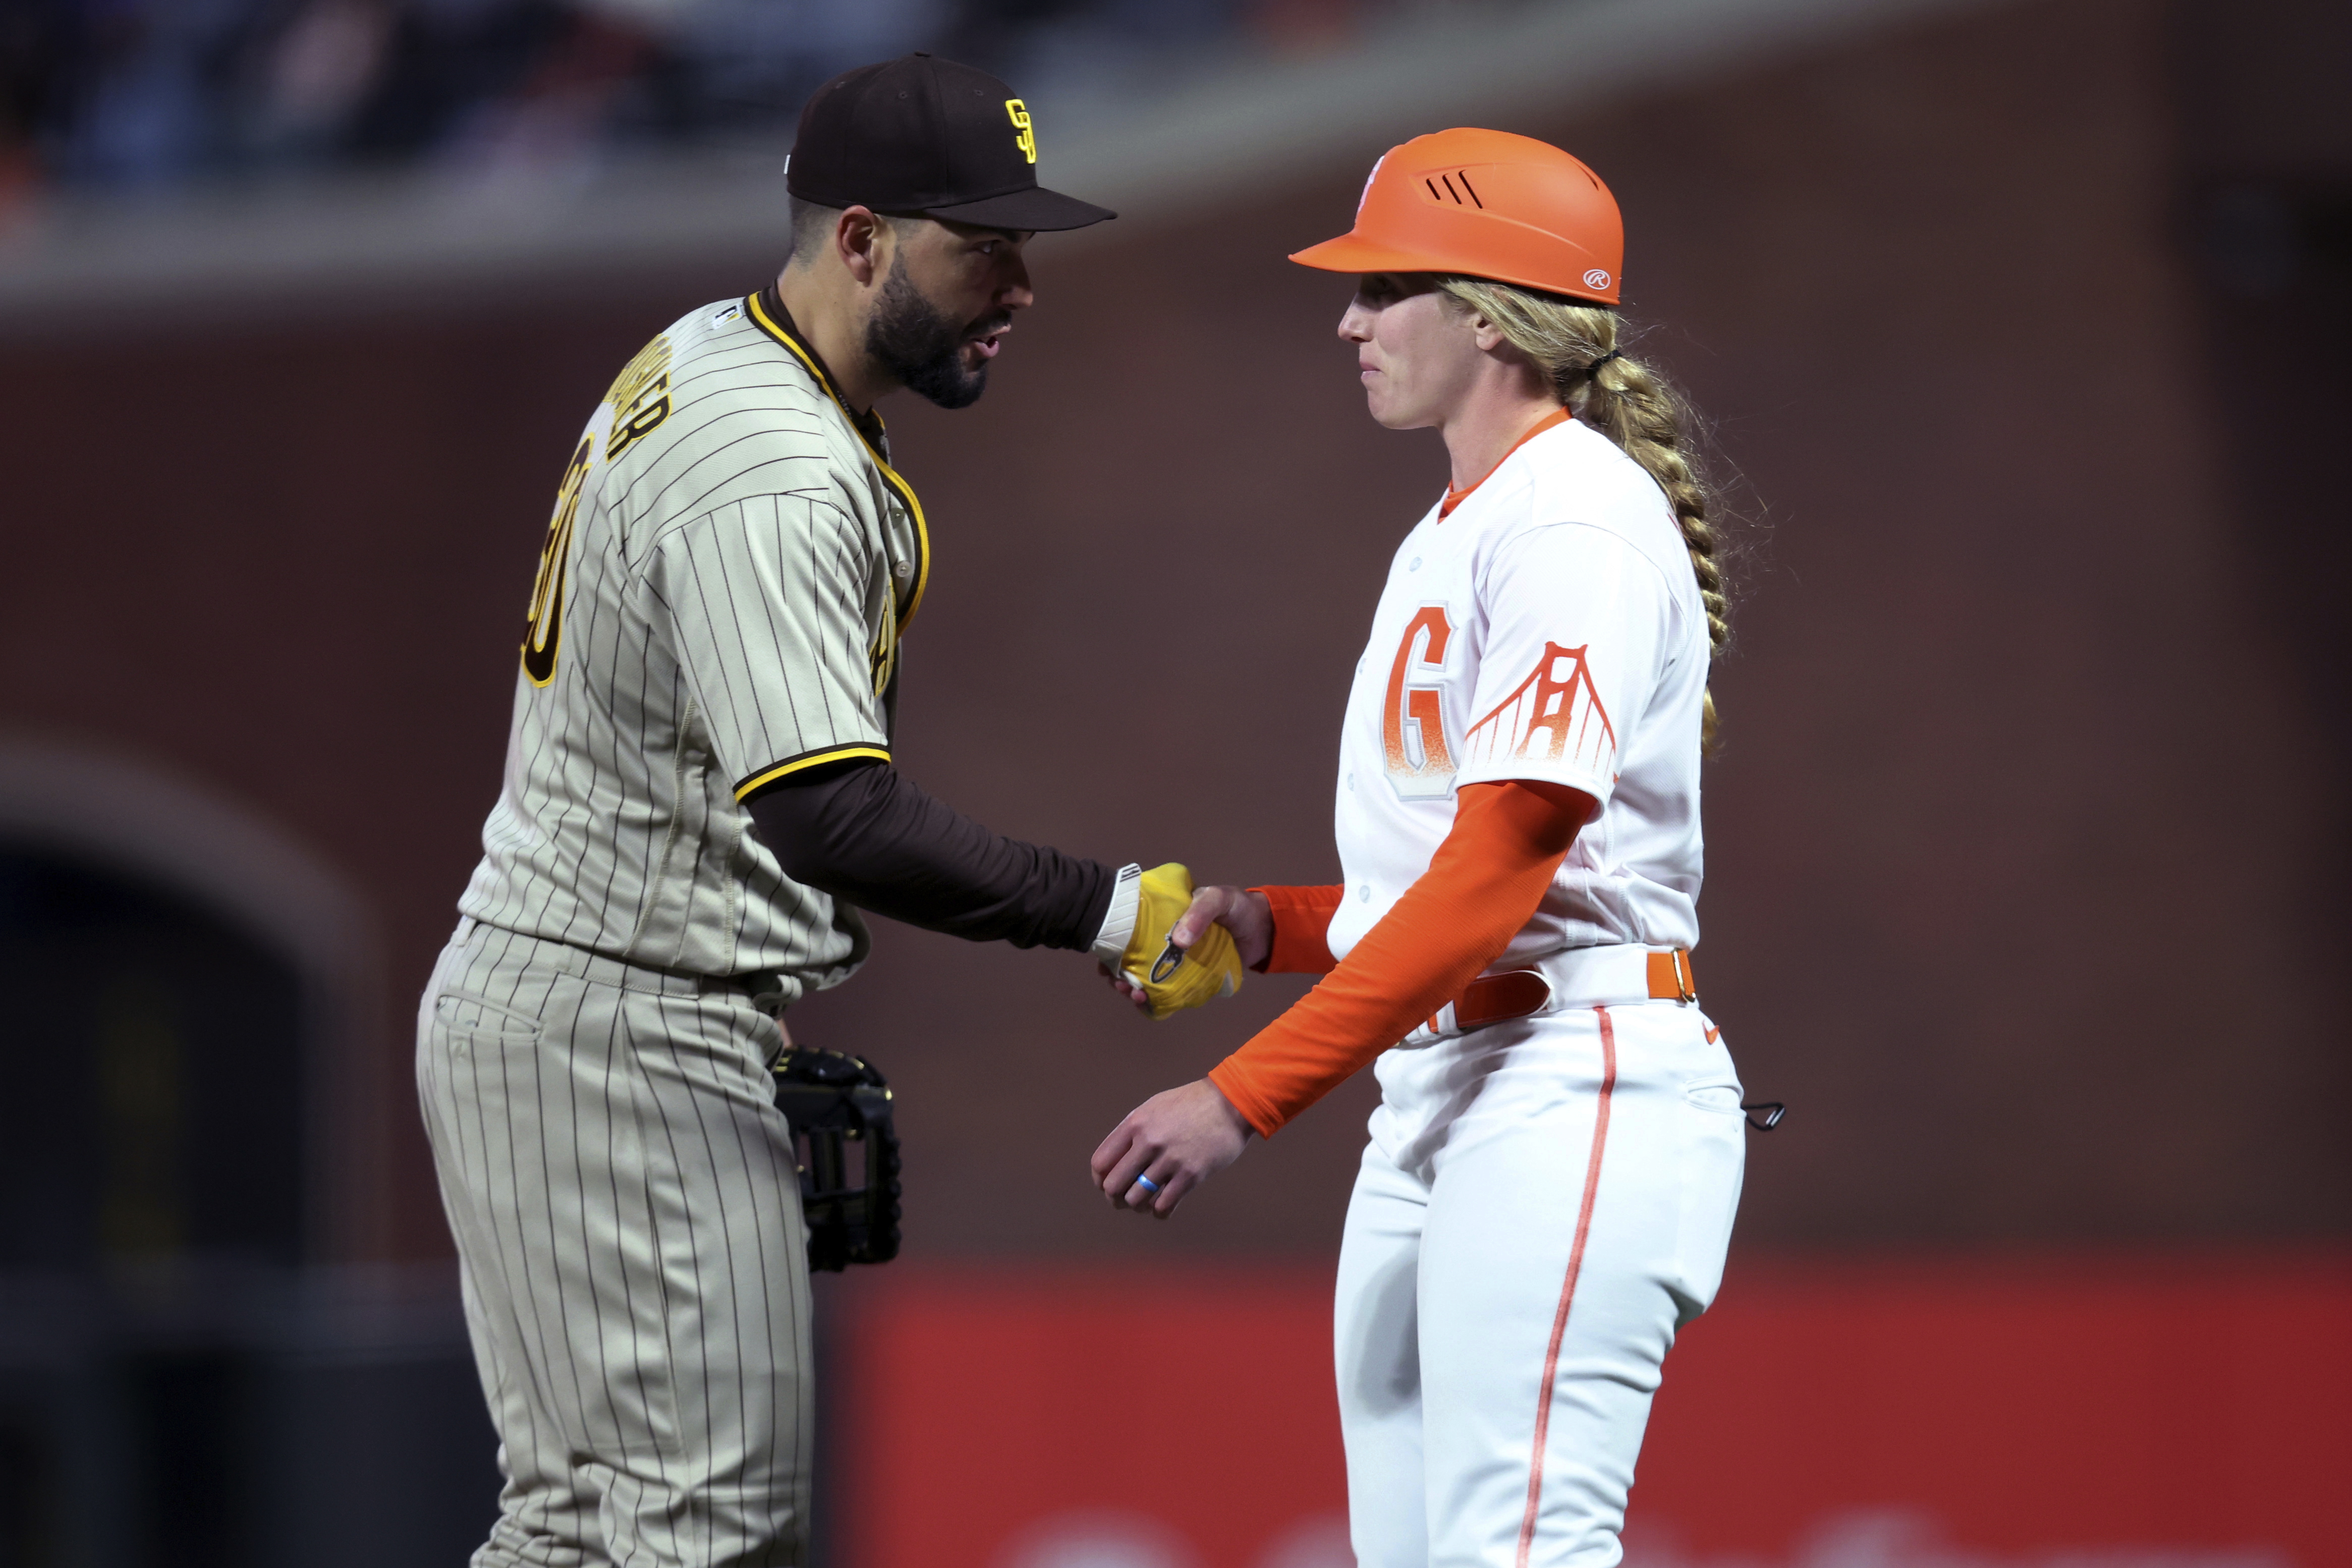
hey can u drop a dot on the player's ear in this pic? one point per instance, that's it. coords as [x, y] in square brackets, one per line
[861, 237]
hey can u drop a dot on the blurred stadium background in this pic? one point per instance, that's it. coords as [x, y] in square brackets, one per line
[2024, 324]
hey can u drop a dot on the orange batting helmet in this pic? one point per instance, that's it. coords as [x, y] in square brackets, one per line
[1484, 203]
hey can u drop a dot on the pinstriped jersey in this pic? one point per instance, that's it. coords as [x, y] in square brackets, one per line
[730, 566]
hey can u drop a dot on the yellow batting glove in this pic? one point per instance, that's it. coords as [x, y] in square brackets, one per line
[1173, 978]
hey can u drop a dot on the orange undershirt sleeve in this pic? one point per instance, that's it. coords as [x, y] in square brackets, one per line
[1481, 888]
[1301, 917]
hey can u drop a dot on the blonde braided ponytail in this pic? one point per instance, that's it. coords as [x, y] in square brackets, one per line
[1575, 344]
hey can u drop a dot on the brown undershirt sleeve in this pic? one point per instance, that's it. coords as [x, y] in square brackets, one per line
[872, 838]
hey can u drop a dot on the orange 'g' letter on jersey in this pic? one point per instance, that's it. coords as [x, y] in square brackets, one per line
[1419, 706]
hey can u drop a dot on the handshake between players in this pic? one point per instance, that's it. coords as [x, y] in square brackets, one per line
[1175, 1140]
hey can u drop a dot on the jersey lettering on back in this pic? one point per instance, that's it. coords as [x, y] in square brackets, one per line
[639, 398]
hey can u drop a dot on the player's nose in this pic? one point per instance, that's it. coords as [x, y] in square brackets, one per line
[1013, 292]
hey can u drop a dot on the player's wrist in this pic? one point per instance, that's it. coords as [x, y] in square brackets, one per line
[1214, 1093]
[1239, 1096]
[1253, 931]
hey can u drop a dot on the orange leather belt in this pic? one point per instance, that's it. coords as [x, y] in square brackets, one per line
[1521, 993]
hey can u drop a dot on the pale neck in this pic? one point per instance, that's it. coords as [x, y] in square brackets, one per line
[1490, 422]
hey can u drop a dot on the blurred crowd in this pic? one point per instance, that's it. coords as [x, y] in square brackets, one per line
[141, 93]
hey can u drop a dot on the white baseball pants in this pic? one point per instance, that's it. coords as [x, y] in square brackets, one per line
[625, 1200]
[1543, 1203]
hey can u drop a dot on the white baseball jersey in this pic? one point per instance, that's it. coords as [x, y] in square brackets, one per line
[1549, 628]
[730, 566]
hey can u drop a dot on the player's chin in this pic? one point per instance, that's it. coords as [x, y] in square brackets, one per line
[950, 382]
[970, 384]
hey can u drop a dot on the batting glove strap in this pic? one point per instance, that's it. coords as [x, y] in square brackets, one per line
[1117, 930]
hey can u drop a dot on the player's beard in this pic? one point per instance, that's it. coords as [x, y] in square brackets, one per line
[921, 348]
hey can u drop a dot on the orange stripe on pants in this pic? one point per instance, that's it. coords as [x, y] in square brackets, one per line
[1568, 1287]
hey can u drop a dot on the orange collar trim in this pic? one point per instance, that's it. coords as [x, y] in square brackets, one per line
[1455, 498]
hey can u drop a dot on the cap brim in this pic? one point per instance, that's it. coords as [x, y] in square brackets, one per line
[1352, 253]
[1034, 208]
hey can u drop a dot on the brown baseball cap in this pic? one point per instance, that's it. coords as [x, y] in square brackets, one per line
[927, 136]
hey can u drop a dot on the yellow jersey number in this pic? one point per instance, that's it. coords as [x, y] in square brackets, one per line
[544, 633]
[640, 400]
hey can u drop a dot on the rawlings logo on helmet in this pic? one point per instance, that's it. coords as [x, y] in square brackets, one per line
[1596, 278]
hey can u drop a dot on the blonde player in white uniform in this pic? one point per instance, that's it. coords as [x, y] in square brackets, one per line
[698, 802]
[1550, 1184]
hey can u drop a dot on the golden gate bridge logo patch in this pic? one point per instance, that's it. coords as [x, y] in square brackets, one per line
[1555, 709]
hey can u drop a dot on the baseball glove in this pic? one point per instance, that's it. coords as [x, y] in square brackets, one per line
[839, 1108]
[1173, 978]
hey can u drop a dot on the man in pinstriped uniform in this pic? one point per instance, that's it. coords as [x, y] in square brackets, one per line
[699, 800]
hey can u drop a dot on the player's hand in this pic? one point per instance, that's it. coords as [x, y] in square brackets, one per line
[1177, 1140]
[1246, 915]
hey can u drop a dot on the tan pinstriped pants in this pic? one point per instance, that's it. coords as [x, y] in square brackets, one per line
[621, 1191]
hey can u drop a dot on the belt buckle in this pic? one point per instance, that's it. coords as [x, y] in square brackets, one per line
[1685, 983]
